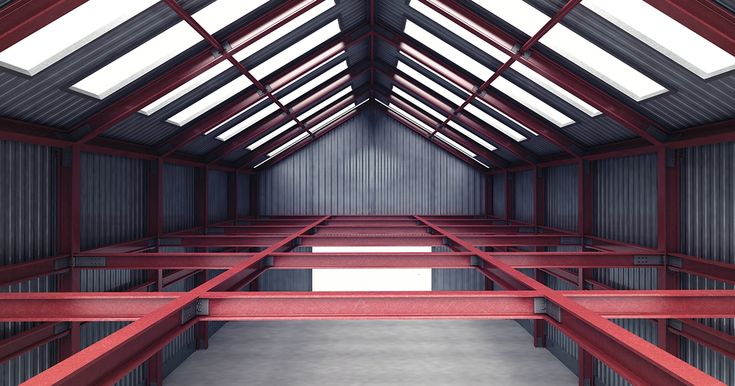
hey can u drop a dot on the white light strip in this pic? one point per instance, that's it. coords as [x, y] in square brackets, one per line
[286, 126]
[472, 136]
[420, 78]
[665, 35]
[490, 120]
[347, 90]
[434, 113]
[455, 145]
[205, 104]
[288, 144]
[312, 84]
[410, 118]
[555, 89]
[337, 116]
[252, 119]
[527, 99]
[68, 33]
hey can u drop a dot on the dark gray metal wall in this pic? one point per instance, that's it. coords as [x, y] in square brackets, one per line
[625, 199]
[523, 196]
[28, 231]
[371, 165]
[243, 194]
[179, 197]
[707, 225]
[448, 279]
[285, 280]
[216, 196]
[113, 199]
[499, 195]
[562, 197]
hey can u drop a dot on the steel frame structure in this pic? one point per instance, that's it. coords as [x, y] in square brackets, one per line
[254, 245]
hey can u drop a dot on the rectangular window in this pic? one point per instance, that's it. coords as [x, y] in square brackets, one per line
[371, 279]
[665, 35]
[151, 54]
[577, 49]
[68, 33]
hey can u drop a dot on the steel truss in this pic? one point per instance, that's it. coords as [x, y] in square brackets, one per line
[496, 248]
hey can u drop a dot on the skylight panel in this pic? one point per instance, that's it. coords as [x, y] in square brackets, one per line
[285, 127]
[68, 33]
[333, 118]
[665, 35]
[455, 145]
[447, 51]
[288, 144]
[577, 49]
[222, 13]
[421, 105]
[420, 78]
[246, 52]
[302, 116]
[490, 120]
[150, 54]
[312, 84]
[294, 51]
[410, 118]
[252, 119]
[555, 89]
[185, 88]
[472, 136]
[530, 101]
[458, 30]
[205, 104]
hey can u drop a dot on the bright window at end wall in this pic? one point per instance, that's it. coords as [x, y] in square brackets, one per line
[398, 279]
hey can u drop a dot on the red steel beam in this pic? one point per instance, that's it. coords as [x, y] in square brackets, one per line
[610, 106]
[187, 70]
[705, 17]
[632, 357]
[30, 339]
[21, 18]
[234, 305]
[104, 361]
[708, 336]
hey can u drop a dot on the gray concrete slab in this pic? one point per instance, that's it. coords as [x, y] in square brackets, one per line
[325, 353]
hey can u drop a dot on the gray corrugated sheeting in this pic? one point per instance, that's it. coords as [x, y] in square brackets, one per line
[645, 329]
[371, 165]
[216, 196]
[624, 201]
[448, 279]
[561, 345]
[27, 232]
[243, 194]
[285, 280]
[499, 195]
[562, 197]
[101, 280]
[113, 199]
[179, 197]
[176, 351]
[706, 229]
[27, 202]
[523, 199]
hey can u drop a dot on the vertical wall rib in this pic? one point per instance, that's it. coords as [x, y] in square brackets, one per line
[499, 195]
[217, 196]
[562, 197]
[179, 197]
[523, 196]
[243, 194]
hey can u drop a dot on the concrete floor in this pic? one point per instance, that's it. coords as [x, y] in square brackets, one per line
[324, 353]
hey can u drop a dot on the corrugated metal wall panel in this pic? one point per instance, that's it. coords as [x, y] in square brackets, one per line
[524, 200]
[285, 280]
[27, 202]
[95, 331]
[176, 351]
[243, 194]
[707, 221]
[28, 231]
[644, 329]
[448, 279]
[371, 165]
[499, 195]
[113, 199]
[624, 199]
[562, 197]
[179, 197]
[216, 196]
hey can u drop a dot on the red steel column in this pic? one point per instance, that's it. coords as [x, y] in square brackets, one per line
[509, 195]
[70, 234]
[155, 198]
[202, 198]
[539, 190]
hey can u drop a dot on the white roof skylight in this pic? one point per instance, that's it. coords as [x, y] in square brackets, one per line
[68, 33]
[577, 49]
[410, 118]
[159, 49]
[312, 84]
[286, 126]
[246, 52]
[421, 79]
[472, 136]
[455, 145]
[294, 51]
[335, 116]
[303, 115]
[286, 145]
[490, 120]
[448, 51]
[205, 104]
[666, 35]
[421, 105]
[530, 101]
[252, 119]
[555, 89]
